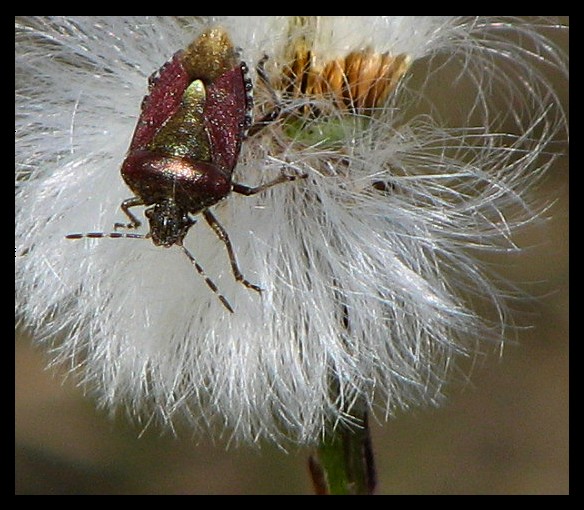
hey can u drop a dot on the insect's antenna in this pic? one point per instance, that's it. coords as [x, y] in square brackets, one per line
[208, 281]
[112, 235]
[129, 235]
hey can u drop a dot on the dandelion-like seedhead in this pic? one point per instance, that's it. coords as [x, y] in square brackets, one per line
[372, 286]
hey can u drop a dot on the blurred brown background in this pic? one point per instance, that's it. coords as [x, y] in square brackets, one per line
[507, 433]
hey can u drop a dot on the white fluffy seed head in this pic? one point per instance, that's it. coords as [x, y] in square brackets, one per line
[372, 288]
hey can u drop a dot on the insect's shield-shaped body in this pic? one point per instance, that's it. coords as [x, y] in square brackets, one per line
[188, 138]
[186, 144]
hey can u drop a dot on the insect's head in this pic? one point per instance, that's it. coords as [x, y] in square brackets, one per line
[169, 223]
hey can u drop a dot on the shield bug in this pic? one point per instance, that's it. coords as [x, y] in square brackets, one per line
[186, 144]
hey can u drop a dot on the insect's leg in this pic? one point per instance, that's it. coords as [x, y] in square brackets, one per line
[126, 204]
[274, 113]
[222, 234]
[242, 189]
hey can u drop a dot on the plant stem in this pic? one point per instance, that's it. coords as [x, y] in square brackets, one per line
[343, 463]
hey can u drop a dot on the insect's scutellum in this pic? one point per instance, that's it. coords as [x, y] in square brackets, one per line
[186, 144]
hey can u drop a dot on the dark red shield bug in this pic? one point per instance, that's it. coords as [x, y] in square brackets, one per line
[186, 145]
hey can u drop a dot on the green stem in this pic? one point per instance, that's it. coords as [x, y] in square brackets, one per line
[343, 462]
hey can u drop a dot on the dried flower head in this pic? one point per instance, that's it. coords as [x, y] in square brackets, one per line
[359, 80]
[368, 267]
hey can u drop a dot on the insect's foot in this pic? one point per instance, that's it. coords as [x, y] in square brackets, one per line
[252, 286]
[126, 226]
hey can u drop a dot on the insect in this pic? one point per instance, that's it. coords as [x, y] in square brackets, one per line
[186, 144]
